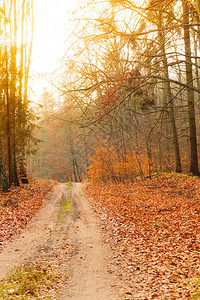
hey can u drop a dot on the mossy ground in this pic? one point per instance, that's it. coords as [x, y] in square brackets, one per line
[29, 282]
[65, 208]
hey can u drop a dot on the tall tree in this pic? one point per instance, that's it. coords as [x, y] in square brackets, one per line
[158, 18]
[8, 102]
[13, 87]
[190, 93]
[16, 54]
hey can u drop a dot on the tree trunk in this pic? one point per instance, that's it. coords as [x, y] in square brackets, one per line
[22, 167]
[8, 121]
[23, 73]
[169, 102]
[74, 170]
[13, 82]
[78, 172]
[3, 176]
[194, 169]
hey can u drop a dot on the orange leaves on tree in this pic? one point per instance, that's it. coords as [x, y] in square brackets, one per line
[115, 88]
[108, 165]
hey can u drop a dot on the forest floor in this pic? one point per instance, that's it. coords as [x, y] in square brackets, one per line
[121, 241]
[153, 227]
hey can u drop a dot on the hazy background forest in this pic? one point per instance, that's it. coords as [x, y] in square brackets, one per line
[128, 94]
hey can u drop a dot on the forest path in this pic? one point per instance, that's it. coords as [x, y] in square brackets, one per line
[66, 228]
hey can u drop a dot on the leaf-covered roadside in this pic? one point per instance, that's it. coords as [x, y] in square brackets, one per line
[154, 230]
[18, 206]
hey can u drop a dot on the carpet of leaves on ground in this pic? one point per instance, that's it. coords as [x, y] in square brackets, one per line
[19, 205]
[154, 230]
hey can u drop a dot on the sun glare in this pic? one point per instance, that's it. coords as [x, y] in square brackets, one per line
[52, 29]
[52, 23]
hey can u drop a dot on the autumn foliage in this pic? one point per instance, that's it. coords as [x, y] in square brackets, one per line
[112, 95]
[108, 164]
[153, 227]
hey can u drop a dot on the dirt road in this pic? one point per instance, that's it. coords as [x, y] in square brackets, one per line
[67, 228]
